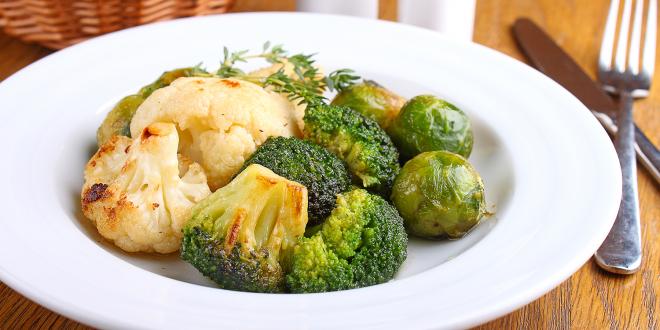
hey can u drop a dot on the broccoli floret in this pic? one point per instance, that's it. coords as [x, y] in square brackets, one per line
[320, 171]
[317, 269]
[362, 243]
[243, 234]
[358, 140]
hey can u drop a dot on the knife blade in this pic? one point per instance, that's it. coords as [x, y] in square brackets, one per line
[546, 56]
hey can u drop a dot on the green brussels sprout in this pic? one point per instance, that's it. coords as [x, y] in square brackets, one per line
[118, 120]
[427, 123]
[371, 100]
[168, 77]
[439, 195]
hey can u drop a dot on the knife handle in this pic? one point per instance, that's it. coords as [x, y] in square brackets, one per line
[647, 153]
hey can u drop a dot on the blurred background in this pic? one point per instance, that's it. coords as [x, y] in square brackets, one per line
[56, 24]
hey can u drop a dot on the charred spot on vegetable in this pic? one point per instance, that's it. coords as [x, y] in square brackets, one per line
[230, 83]
[95, 192]
[266, 180]
[296, 195]
[146, 134]
[111, 219]
[108, 147]
[238, 218]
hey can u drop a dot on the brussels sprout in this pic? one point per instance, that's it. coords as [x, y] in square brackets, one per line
[427, 123]
[118, 120]
[439, 195]
[169, 76]
[371, 100]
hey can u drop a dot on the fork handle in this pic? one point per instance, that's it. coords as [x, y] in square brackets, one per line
[621, 251]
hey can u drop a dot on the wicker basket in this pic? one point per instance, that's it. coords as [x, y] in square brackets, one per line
[61, 23]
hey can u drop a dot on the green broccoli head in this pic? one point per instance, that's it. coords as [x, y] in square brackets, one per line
[320, 171]
[358, 140]
[362, 243]
[243, 234]
[315, 268]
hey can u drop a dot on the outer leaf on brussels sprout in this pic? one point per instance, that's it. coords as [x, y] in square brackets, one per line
[169, 76]
[427, 123]
[118, 120]
[371, 100]
[439, 195]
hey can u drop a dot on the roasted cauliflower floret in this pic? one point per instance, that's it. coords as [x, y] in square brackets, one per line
[139, 193]
[222, 121]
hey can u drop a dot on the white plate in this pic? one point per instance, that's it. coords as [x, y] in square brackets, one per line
[549, 169]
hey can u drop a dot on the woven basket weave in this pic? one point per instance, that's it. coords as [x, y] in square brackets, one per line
[60, 23]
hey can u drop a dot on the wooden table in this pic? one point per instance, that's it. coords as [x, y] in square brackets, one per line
[590, 298]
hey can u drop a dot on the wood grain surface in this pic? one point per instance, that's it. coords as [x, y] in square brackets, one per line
[591, 298]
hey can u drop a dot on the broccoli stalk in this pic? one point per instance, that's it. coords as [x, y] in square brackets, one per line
[362, 243]
[242, 235]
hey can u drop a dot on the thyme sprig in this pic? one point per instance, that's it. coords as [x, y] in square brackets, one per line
[300, 91]
[341, 79]
[228, 69]
[308, 84]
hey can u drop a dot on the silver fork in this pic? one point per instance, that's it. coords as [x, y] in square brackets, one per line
[622, 250]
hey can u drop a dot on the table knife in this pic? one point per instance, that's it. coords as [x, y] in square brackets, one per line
[546, 56]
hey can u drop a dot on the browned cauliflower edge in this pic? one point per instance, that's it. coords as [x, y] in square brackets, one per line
[139, 192]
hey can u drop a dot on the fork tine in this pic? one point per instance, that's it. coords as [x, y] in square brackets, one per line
[648, 55]
[622, 44]
[607, 45]
[636, 38]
